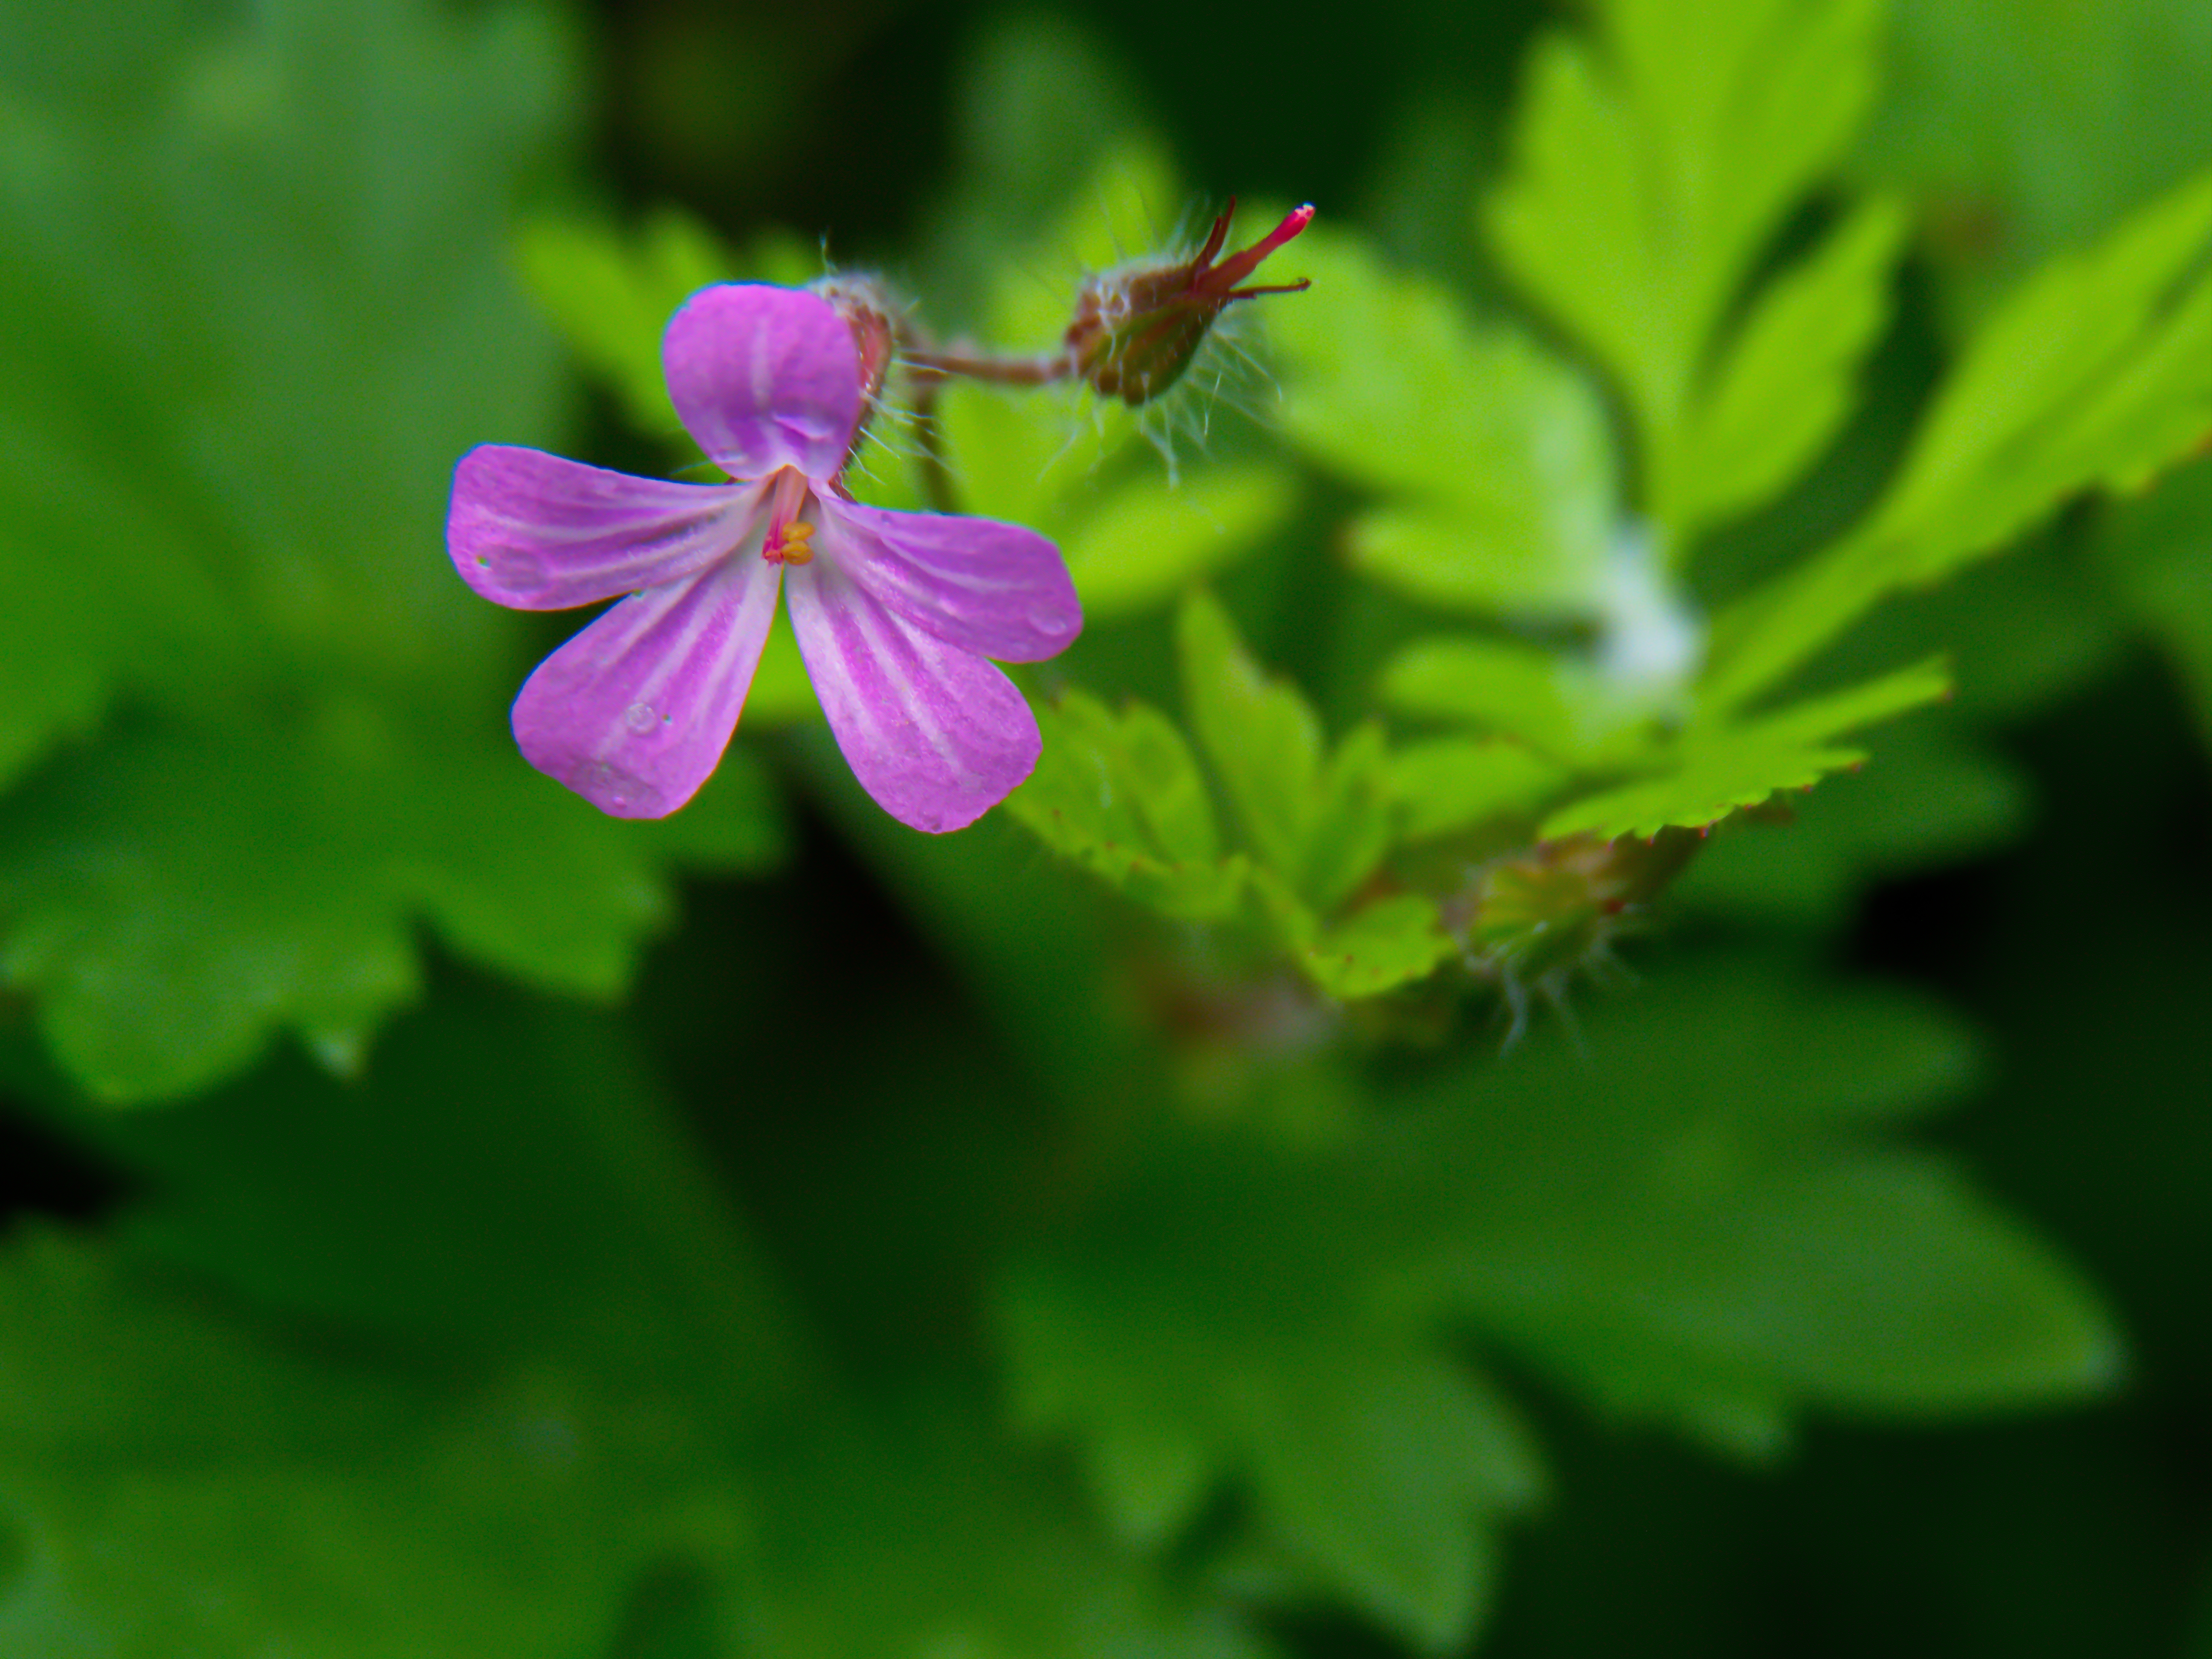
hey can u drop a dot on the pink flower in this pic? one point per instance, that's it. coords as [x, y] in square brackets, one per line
[894, 612]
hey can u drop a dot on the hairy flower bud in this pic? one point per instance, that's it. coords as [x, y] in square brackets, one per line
[1137, 327]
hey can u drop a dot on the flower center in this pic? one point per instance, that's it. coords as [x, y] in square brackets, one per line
[789, 538]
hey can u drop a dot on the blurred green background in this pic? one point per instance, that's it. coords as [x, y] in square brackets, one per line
[393, 1338]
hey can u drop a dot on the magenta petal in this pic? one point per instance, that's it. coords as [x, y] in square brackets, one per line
[935, 733]
[764, 378]
[995, 589]
[534, 533]
[634, 711]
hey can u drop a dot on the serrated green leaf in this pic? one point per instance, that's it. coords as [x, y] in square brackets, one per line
[2030, 126]
[1322, 821]
[2096, 374]
[1934, 800]
[1721, 768]
[908, 1528]
[1712, 781]
[1817, 718]
[1262, 736]
[1121, 795]
[1653, 162]
[1381, 946]
[175, 898]
[1449, 784]
[1350, 830]
[1787, 382]
[1499, 453]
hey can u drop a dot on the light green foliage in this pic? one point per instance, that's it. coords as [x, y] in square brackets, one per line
[1653, 161]
[2096, 374]
[2032, 125]
[304, 328]
[611, 296]
[1120, 795]
[1321, 819]
[1721, 766]
[1384, 944]
[1495, 456]
[1454, 783]
[1789, 378]
[1139, 546]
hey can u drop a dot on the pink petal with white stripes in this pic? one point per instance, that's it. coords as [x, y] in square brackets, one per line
[935, 733]
[535, 532]
[995, 589]
[763, 378]
[634, 713]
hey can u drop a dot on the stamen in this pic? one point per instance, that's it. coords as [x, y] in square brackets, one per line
[788, 535]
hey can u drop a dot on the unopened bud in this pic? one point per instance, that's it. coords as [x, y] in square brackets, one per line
[1137, 327]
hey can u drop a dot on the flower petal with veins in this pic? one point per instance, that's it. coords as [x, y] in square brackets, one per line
[535, 532]
[764, 378]
[634, 713]
[936, 734]
[996, 589]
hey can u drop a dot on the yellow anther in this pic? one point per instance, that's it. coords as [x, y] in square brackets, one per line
[789, 544]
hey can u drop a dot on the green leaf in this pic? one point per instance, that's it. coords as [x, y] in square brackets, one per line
[1498, 455]
[1384, 945]
[225, 447]
[1121, 795]
[1724, 768]
[1321, 821]
[1716, 1241]
[1180, 1356]
[175, 898]
[1450, 784]
[1935, 799]
[233, 276]
[1787, 382]
[907, 1528]
[1653, 163]
[2096, 375]
[1711, 782]
[2027, 127]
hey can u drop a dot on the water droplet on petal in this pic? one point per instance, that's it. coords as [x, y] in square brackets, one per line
[639, 717]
